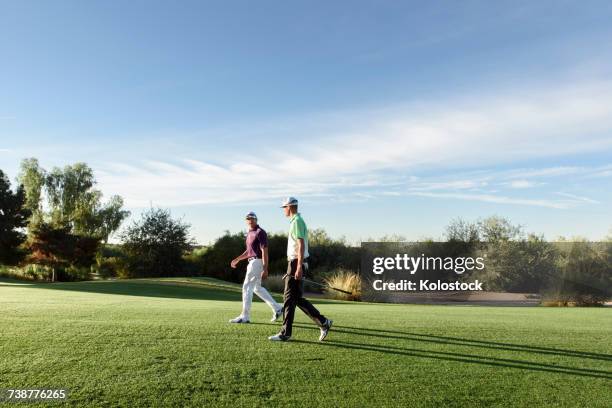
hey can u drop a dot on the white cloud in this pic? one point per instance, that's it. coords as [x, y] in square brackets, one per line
[521, 184]
[382, 147]
[577, 198]
[490, 198]
[543, 172]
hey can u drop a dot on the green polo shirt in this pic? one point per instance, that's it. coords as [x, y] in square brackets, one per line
[297, 229]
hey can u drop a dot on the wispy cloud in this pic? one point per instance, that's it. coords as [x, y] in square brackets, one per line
[521, 184]
[577, 199]
[499, 199]
[362, 152]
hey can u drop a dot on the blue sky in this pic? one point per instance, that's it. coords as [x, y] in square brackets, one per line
[381, 117]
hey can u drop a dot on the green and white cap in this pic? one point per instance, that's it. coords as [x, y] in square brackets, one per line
[289, 201]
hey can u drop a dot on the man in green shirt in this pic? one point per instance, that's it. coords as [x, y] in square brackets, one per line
[297, 255]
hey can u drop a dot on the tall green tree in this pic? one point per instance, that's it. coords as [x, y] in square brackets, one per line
[32, 177]
[70, 194]
[72, 200]
[111, 216]
[13, 218]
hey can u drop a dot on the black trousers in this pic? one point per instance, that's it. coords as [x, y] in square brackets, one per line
[294, 296]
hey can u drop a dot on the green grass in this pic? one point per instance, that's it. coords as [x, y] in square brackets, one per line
[145, 343]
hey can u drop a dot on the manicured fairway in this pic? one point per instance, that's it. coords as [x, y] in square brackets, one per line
[150, 343]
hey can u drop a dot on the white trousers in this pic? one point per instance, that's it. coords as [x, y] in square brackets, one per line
[252, 284]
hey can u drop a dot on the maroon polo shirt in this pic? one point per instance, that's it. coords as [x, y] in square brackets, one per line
[255, 239]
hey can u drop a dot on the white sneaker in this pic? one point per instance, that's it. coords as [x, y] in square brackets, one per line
[276, 315]
[325, 329]
[279, 337]
[239, 320]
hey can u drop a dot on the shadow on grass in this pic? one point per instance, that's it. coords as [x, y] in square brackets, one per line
[461, 357]
[430, 338]
[466, 358]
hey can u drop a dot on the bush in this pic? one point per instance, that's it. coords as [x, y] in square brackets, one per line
[345, 280]
[110, 267]
[274, 283]
[194, 261]
[583, 276]
[69, 255]
[525, 266]
[29, 272]
[72, 274]
[325, 254]
[111, 262]
[216, 260]
[155, 245]
[25, 273]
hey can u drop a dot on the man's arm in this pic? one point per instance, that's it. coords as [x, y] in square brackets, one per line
[239, 258]
[300, 259]
[264, 255]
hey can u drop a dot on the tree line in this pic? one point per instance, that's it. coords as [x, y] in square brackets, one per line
[55, 225]
[56, 219]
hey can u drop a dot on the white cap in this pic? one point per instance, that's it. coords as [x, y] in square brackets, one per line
[289, 201]
[250, 215]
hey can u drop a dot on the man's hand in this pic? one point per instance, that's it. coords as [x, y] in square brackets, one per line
[298, 272]
[234, 263]
[264, 273]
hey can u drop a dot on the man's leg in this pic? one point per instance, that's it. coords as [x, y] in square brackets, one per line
[309, 309]
[260, 290]
[247, 292]
[324, 323]
[290, 299]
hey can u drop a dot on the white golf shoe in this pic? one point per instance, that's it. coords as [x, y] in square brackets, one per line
[278, 337]
[325, 329]
[276, 315]
[239, 319]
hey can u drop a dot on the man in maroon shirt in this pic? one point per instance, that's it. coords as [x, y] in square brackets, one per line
[257, 254]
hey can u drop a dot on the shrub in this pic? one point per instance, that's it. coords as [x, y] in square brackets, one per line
[72, 273]
[109, 267]
[325, 254]
[345, 280]
[274, 283]
[583, 276]
[155, 245]
[29, 272]
[65, 253]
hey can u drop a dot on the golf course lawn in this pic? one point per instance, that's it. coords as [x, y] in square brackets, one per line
[167, 342]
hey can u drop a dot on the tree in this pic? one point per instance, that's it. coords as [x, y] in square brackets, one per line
[462, 231]
[583, 276]
[32, 177]
[70, 195]
[13, 217]
[519, 266]
[59, 249]
[155, 244]
[494, 229]
[72, 200]
[111, 216]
